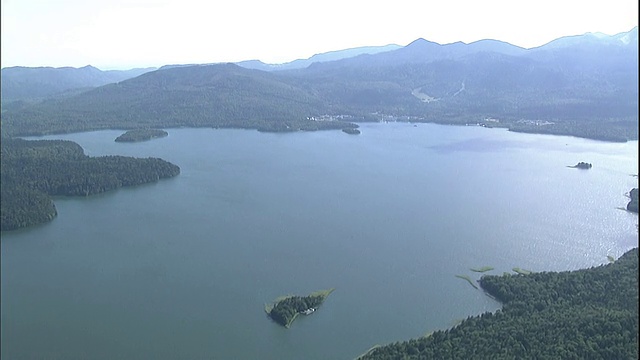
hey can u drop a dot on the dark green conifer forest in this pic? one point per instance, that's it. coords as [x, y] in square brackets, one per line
[633, 202]
[584, 314]
[32, 171]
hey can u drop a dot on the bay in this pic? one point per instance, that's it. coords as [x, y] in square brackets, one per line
[182, 268]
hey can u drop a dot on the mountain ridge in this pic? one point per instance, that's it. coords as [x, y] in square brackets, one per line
[320, 57]
[555, 90]
[37, 83]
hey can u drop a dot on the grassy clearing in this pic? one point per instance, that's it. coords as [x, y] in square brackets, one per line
[482, 269]
[465, 277]
[288, 325]
[323, 293]
[521, 271]
[366, 352]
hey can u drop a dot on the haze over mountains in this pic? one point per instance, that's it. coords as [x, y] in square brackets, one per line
[37, 83]
[23, 83]
[583, 85]
[328, 56]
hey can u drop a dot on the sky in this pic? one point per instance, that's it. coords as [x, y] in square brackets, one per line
[125, 34]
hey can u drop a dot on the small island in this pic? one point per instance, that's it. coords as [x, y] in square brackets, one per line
[285, 309]
[351, 131]
[582, 165]
[482, 269]
[141, 135]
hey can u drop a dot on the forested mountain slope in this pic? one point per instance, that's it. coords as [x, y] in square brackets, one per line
[223, 95]
[584, 86]
[37, 83]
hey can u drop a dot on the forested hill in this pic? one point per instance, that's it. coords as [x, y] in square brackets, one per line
[584, 86]
[223, 95]
[583, 314]
[32, 171]
[31, 84]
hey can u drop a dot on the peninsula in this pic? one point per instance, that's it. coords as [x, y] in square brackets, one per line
[633, 200]
[593, 312]
[33, 171]
[285, 309]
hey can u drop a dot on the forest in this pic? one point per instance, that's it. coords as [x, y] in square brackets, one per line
[583, 314]
[33, 171]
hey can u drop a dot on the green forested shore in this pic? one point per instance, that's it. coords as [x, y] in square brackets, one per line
[633, 202]
[584, 314]
[32, 171]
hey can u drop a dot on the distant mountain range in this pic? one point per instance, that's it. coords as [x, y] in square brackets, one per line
[24, 83]
[583, 85]
[324, 57]
[37, 83]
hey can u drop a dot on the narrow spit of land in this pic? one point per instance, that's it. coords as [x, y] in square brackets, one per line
[466, 277]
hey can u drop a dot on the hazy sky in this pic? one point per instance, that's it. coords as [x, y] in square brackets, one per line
[121, 34]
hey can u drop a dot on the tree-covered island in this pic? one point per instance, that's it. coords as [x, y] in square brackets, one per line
[141, 135]
[33, 171]
[285, 309]
[351, 131]
[582, 165]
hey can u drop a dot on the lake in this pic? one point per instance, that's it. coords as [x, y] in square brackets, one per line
[182, 268]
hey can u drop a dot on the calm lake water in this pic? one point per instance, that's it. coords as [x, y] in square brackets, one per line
[181, 269]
